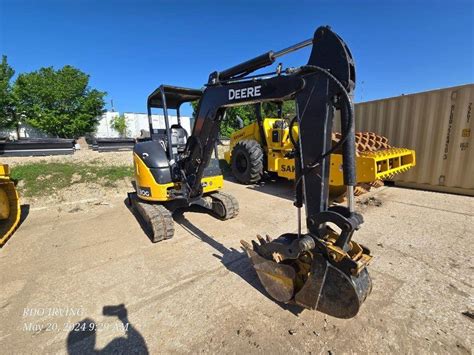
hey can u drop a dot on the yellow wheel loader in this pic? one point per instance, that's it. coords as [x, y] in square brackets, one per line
[264, 146]
[9, 205]
[320, 268]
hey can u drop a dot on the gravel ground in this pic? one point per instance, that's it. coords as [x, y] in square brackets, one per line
[197, 292]
[87, 155]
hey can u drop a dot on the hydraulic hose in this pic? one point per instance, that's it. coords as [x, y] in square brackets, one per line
[347, 128]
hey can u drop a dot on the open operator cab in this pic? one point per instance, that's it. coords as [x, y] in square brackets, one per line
[156, 170]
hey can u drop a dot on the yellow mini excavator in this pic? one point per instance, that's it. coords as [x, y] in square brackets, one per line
[321, 268]
[9, 205]
[265, 146]
[161, 183]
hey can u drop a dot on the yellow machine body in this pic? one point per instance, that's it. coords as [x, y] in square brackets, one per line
[370, 165]
[9, 205]
[148, 189]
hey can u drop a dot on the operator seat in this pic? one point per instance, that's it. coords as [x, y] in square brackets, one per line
[179, 137]
[160, 137]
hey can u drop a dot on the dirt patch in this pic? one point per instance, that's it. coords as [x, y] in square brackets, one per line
[88, 156]
[75, 178]
[48, 182]
[102, 191]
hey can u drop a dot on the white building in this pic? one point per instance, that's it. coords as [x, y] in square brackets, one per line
[136, 122]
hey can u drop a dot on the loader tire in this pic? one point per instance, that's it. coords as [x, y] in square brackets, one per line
[247, 162]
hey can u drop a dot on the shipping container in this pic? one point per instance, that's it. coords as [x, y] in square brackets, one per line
[438, 125]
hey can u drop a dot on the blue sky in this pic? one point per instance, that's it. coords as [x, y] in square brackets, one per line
[131, 47]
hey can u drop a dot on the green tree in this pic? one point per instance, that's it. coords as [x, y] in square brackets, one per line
[7, 99]
[59, 102]
[119, 123]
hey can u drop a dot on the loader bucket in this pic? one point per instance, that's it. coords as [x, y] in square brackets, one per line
[9, 208]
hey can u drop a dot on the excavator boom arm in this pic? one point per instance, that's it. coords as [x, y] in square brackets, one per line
[315, 93]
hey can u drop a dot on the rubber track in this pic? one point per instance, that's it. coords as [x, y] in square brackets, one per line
[159, 220]
[230, 203]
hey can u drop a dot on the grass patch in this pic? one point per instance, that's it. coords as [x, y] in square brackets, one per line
[43, 178]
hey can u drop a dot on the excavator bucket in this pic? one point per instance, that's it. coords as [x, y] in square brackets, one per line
[9, 205]
[311, 281]
[333, 292]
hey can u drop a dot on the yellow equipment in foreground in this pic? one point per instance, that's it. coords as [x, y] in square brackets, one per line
[250, 156]
[9, 205]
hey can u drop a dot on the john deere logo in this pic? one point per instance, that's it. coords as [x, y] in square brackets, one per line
[244, 93]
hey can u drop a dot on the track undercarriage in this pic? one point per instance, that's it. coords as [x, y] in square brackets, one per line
[158, 217]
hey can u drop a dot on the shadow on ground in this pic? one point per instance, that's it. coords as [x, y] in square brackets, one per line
[234, 260]
[25, 211]
[278, 187]
[270, 184]
[82, 338]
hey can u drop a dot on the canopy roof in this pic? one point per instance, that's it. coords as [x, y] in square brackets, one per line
[175, 96]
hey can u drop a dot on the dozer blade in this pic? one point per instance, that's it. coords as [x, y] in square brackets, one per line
[9, 206]
[310, 281]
